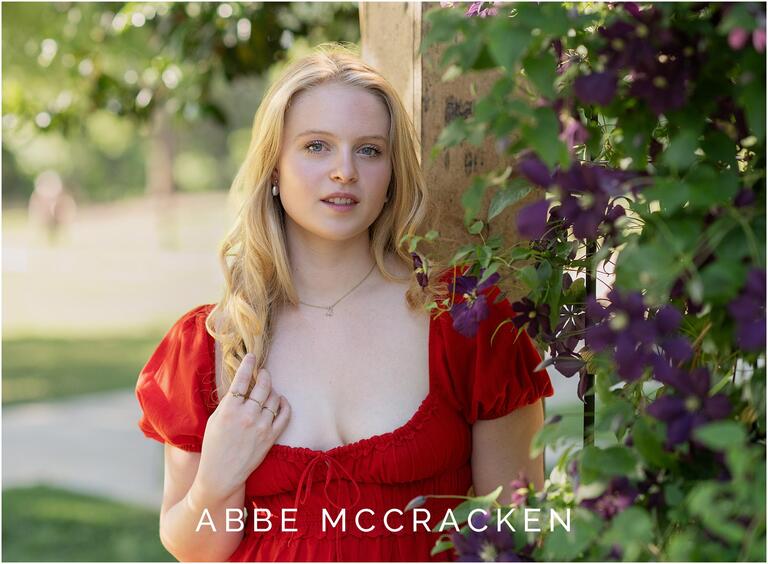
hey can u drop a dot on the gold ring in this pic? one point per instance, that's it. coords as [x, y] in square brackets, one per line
[237, 394]
[257, 401]
[271, 411]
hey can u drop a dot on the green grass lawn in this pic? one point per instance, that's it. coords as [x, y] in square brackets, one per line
[50, 368]
[47, 524]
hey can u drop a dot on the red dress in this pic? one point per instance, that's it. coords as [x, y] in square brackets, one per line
[430, 454]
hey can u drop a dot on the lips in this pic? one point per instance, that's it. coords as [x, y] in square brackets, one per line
[340, 201]
[343, 196]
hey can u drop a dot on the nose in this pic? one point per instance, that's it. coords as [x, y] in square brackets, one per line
[344, 170]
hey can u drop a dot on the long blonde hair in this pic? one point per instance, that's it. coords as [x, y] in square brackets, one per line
[253, 255]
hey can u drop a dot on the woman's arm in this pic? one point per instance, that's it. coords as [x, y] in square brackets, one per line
[183, 503]
[500, 450]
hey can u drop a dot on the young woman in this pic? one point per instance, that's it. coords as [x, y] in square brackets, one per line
[318, 394]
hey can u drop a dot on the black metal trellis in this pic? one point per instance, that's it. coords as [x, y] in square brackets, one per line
[589, 396]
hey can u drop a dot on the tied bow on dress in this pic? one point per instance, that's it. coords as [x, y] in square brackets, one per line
[333, 469]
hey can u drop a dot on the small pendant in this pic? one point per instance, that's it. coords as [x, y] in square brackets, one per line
[329, 313]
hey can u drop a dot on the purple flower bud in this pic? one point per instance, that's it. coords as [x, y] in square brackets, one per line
[744, 198]
[737, 38]
[758, 39]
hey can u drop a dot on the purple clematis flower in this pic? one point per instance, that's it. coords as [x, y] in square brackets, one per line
[535, 170]
[490, 545]
[421, 272]
[639, 340]
[468, 313]
[659, 62]
[690, 405]
[596, 88]
[623, 326]
[619, 495]
[532, 220]
[476, 9]
[748, 310]
[533, 317]
[586, 195]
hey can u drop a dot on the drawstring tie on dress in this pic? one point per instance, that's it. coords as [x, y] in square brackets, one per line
[334, 468]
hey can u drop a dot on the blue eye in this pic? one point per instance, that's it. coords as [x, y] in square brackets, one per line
[375, 152]
[313, 144]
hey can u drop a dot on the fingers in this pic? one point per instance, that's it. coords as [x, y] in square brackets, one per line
[283, 416]
[262, 389]
[271, 407]
[242, 379]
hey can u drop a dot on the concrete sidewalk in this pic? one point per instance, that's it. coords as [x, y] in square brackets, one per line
[89, 444]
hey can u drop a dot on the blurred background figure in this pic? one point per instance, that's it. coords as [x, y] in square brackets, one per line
[51, 207]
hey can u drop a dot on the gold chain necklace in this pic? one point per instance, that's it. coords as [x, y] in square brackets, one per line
[329, 309]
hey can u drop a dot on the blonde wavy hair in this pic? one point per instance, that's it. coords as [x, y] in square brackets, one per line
[253, 255]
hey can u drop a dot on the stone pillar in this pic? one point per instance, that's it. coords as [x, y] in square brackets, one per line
[391, 34]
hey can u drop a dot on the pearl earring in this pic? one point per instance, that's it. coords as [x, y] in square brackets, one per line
[275, 190]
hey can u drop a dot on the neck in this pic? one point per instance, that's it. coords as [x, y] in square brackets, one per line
[324, 270]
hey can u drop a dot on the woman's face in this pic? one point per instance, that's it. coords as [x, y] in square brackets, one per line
[335, 140]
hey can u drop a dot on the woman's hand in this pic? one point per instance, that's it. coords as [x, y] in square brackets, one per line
[240, 432]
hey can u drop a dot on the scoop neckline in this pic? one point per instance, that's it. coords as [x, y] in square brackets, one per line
[420, 412]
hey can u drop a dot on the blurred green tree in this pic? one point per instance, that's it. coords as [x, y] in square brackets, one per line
[72, 67]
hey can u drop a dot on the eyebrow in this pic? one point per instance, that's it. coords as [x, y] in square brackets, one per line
[329, 134]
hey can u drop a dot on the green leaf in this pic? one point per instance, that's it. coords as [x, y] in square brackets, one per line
[529, 276]
[632, 530]
[441, 546]
[444, 25]
[681, 546]
[463, 54]
[488, 272]
[507, 43]
[462, 253]
[721, 435]
[472, 198]
[718, 147]
[542, 137]
[680, 153]
[648, 267]
[671, 193]
[551, 18]
[452, 134]
[462, 511]
[722, 279]
[576, 293]
[552, 433]
[541, 70]
[752, 99]
[648, 442]
[566, 546]
[701, 500]
[484, 255]
[710, 187]
[476, 227]
[597, 463]
[505, 198]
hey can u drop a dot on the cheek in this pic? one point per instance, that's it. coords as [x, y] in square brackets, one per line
[299, 171]
[380, 173]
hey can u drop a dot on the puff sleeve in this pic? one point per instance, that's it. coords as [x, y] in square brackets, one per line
[176, 386]
[490, 380]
